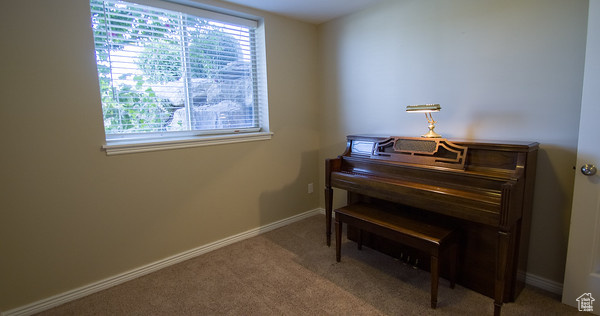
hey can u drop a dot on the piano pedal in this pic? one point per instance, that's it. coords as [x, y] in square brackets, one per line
[415, 266]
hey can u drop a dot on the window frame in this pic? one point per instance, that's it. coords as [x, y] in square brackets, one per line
[153, 141]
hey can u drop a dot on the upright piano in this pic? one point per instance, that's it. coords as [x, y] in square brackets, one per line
[484, 188]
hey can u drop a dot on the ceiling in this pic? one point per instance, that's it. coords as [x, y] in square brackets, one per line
[312, 11]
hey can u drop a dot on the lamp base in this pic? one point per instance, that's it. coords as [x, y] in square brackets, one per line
[431, 133]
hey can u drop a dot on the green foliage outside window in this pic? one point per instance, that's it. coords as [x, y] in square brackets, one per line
[165, 47]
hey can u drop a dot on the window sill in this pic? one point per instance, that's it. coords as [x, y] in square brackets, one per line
[119, 147]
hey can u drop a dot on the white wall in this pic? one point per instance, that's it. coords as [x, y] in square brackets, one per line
[503, 70]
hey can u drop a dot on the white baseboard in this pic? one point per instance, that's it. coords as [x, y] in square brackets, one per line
[72, 295]
[544, 284]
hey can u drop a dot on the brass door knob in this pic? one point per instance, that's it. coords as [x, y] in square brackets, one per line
[588, 169]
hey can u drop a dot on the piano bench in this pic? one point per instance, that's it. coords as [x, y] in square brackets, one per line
[408, 231]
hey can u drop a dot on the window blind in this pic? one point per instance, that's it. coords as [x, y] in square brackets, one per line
[165, 72]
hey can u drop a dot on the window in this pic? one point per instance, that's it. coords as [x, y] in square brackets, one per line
[176, 78]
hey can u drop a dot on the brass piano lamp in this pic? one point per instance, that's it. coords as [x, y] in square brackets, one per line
[427, 109]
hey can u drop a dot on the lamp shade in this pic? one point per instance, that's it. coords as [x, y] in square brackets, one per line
[423, 108]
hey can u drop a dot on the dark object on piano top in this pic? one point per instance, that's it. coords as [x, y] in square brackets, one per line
[489, 198]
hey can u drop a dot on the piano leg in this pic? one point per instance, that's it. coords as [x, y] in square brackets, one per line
[501, 266]
[328, 210]
[338, 238]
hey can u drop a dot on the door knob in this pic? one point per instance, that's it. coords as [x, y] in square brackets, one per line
[588, 169]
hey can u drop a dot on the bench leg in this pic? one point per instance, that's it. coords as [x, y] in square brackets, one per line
[453, 264]
[435, 275]
[338, 238]
[360, 239]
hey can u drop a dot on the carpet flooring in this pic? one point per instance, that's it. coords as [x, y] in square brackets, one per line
[290, 271]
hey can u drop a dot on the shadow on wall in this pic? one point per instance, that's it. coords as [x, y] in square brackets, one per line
[552, 201]
[293, 198]
[332, 151]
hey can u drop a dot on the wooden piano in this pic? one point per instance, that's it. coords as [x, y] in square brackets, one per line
[483, 188]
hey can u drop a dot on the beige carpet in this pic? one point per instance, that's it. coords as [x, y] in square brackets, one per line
[290, 271]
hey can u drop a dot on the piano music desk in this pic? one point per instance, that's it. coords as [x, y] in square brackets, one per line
[408, 231]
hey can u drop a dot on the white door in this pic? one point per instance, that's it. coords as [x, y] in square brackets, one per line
[582, 276]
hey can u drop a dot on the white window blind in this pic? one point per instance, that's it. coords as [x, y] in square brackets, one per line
[166, 73]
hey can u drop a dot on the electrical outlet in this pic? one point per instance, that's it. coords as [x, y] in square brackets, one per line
[310, 188]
